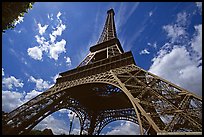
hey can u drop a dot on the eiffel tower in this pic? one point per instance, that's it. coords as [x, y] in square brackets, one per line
[108, 86]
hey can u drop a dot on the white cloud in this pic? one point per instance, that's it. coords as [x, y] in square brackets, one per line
[58, 31]
[76, 131]
[178, 63]
[50, 16]
[71, 115]
[40, 40]
[2, 71]
[31, 95]
[18, 21]
[12, 81]
[174, 31]
[150, 13]
[196, 43]
[42, 29]
[55, 77]
[35, 53]
[52, 38]
[177, 32]
[64, 110]
[51, 47]
[40, 83]
[182, 18]
[149, 44]
[199, 5]
[145, 51]
[43, 44]
[59, 14]
[75, 122]
[180, 59]
[128, 128]
[58, 126]
[11, 100]
[56, 49]
[68, 61]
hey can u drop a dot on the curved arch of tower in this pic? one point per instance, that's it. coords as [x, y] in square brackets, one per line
[107, 86]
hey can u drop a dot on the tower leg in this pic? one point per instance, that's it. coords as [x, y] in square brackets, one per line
[92, 124]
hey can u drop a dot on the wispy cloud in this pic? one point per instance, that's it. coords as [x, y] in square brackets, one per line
[17, 31]
[97, 30]
[124, 13]
[19, 56]
[145, 51]
[129, 43]
[154, 45]
[98, 27]
[150, 13]
[138, 29]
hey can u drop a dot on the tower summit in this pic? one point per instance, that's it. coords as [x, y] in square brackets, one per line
[108, 44]
[108, 86]
[109, 31]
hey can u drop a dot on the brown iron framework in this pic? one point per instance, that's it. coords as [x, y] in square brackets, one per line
[107, 86]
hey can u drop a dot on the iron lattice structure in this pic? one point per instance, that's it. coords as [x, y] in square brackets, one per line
[107, 86]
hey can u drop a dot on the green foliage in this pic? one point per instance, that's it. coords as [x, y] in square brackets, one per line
[35, 132]
[38, 132]
[11, 11]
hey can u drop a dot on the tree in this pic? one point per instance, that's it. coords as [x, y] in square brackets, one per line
[38, 132]
[11, 11]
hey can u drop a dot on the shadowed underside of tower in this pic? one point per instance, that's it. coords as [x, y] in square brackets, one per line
[108, 86]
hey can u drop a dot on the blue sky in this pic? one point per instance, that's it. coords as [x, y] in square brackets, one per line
[165, 39]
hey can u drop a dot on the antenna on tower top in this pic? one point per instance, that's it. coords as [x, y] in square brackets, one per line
[111, 11]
